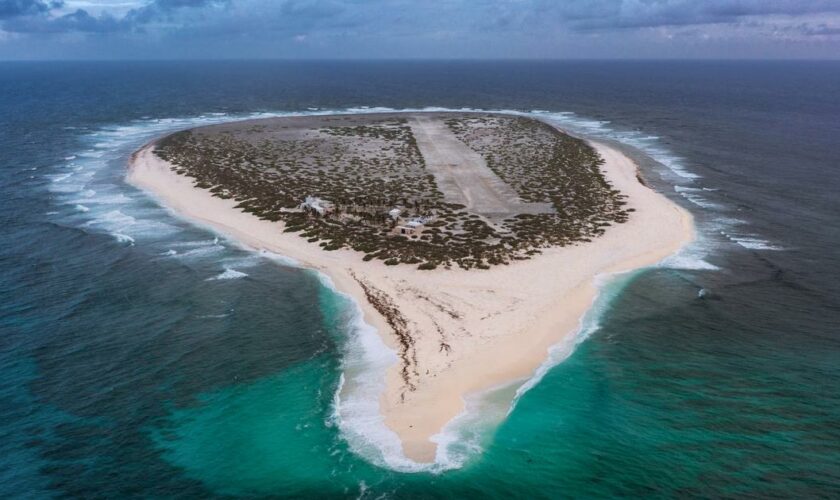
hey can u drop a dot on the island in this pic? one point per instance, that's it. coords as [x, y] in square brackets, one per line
[471, 241]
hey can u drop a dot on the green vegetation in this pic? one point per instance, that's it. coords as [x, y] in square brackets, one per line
[367, 165]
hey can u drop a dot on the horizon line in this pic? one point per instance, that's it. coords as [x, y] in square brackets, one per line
[431, 59]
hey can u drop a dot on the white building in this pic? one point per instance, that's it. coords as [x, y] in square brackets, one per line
[412, 227]
[322, 207]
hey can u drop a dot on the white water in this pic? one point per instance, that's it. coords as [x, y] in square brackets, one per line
[752, 242]
[228, 274]
[80, 172]
[365, 361]
[97, 198]
[609, 287]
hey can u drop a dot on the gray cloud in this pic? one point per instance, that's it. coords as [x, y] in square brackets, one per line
[16, 8]
[820, 30]
[166, 9]
[576, 15]
[425, 28]
[32, 16]
[79, 20]
[623, 14]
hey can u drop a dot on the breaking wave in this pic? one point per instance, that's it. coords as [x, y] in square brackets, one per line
[228, 274]
[90, 184]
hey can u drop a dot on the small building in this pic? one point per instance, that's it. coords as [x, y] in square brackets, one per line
[321, 207]
[411, 227]
[394, 213]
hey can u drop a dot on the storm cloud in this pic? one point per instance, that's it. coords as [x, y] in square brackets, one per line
[36, 16]
[607, 14]
[16, 8]
[463, 28]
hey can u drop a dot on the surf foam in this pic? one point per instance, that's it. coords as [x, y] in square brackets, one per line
[228, 274]
[366, 358]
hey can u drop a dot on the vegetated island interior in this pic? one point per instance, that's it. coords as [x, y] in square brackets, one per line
[428, 190]
[471, 241]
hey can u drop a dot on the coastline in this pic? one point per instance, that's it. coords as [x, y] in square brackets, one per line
[498, 324]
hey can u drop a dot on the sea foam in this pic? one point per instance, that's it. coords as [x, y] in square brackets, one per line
[228, 274]
[357, 413]
[356, 410]
[123, 238]
[752, 242]
[365, 358]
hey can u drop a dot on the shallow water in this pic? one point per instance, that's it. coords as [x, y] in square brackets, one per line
[142, 356]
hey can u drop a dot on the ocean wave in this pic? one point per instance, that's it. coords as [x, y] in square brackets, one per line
[201, 252]
[92, 153]
[114, 199]
[251, 259]
[112, 219]
[356, 411]
[689, 261]
[752, 242]
[608, 287]
[692, 257]
[228, 274]
[213, 316]
[60, 177]
[356, 403]
[116, 221]
[366, 358]
[123, 238]
[278, 258]
[463, 438]
[696, 195]
[692, 194]
[198, 243]
[644, 142]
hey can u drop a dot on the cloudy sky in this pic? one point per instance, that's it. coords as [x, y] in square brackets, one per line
[158, 29]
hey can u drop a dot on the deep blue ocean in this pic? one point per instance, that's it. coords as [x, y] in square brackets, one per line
[141, 356]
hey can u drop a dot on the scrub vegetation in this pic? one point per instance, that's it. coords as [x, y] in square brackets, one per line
[362, 168]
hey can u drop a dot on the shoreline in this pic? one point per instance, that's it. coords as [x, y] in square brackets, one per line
[497, 325]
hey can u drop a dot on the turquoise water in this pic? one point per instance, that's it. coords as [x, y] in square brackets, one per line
[141, 356]
[589, 427]
[264, 437]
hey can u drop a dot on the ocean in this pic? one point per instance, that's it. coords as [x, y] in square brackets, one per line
[142, 356]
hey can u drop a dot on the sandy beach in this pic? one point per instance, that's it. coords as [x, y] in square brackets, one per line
[470, 329]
